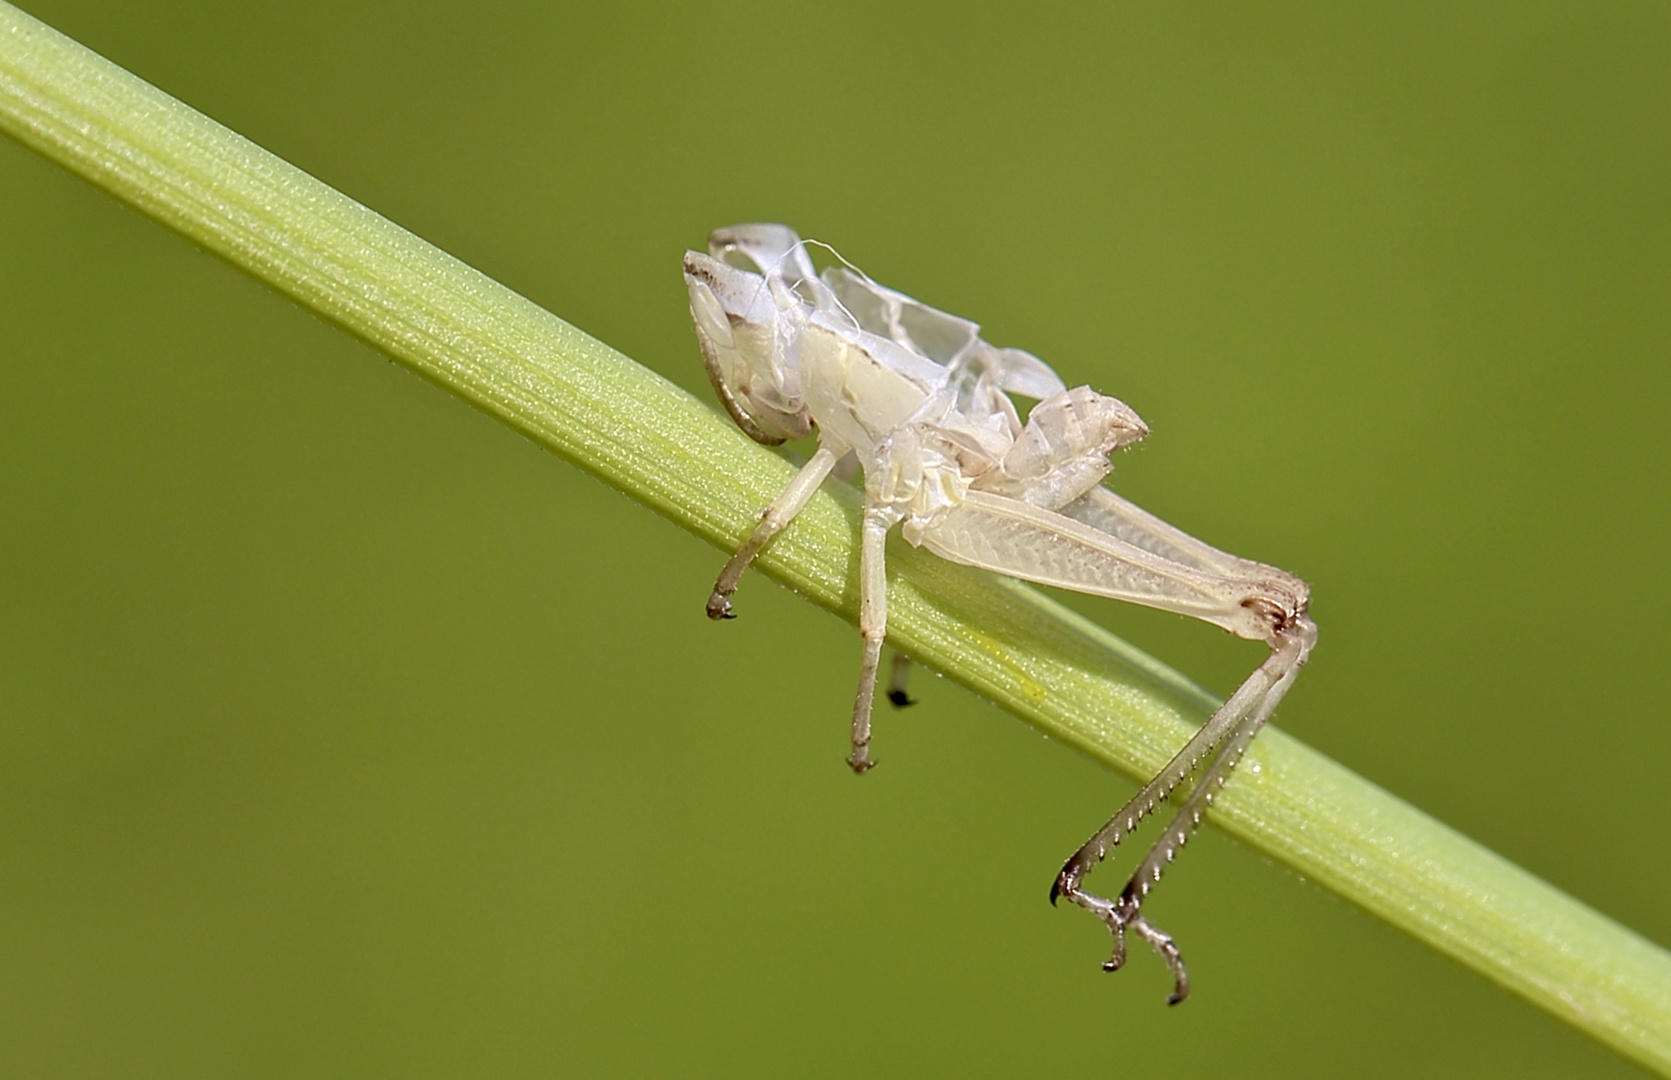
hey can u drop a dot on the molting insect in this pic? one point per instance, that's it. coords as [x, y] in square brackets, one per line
[924, 405]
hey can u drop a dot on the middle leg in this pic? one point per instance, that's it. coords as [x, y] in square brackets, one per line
[873, 627]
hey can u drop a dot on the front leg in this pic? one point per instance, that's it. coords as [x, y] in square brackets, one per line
[791, 501]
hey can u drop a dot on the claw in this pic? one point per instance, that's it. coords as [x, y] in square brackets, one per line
[1066, 883]
[1117, 956]
[1180, 985]
[719, 607]
[899, 699]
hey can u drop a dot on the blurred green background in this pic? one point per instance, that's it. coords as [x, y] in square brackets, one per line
[344, 732]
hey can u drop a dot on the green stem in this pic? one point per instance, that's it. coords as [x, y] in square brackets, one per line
[639, 433]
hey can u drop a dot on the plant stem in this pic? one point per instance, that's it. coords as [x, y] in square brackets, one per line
[644, 436]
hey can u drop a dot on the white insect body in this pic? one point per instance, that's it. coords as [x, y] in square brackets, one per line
[923, 404]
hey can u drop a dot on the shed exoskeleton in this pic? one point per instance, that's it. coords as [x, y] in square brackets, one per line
[924, 405]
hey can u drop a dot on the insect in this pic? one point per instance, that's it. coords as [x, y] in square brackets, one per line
[924, 405]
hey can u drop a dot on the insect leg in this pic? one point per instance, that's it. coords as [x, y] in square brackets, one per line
[899, 675]
[1291, 651]
[873, 627]
[1152, 794]
[1107, 512]
[791, 501]
[1132, 558]
[1268, 684]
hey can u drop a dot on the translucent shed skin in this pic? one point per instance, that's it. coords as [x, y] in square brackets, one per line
[924, 406]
